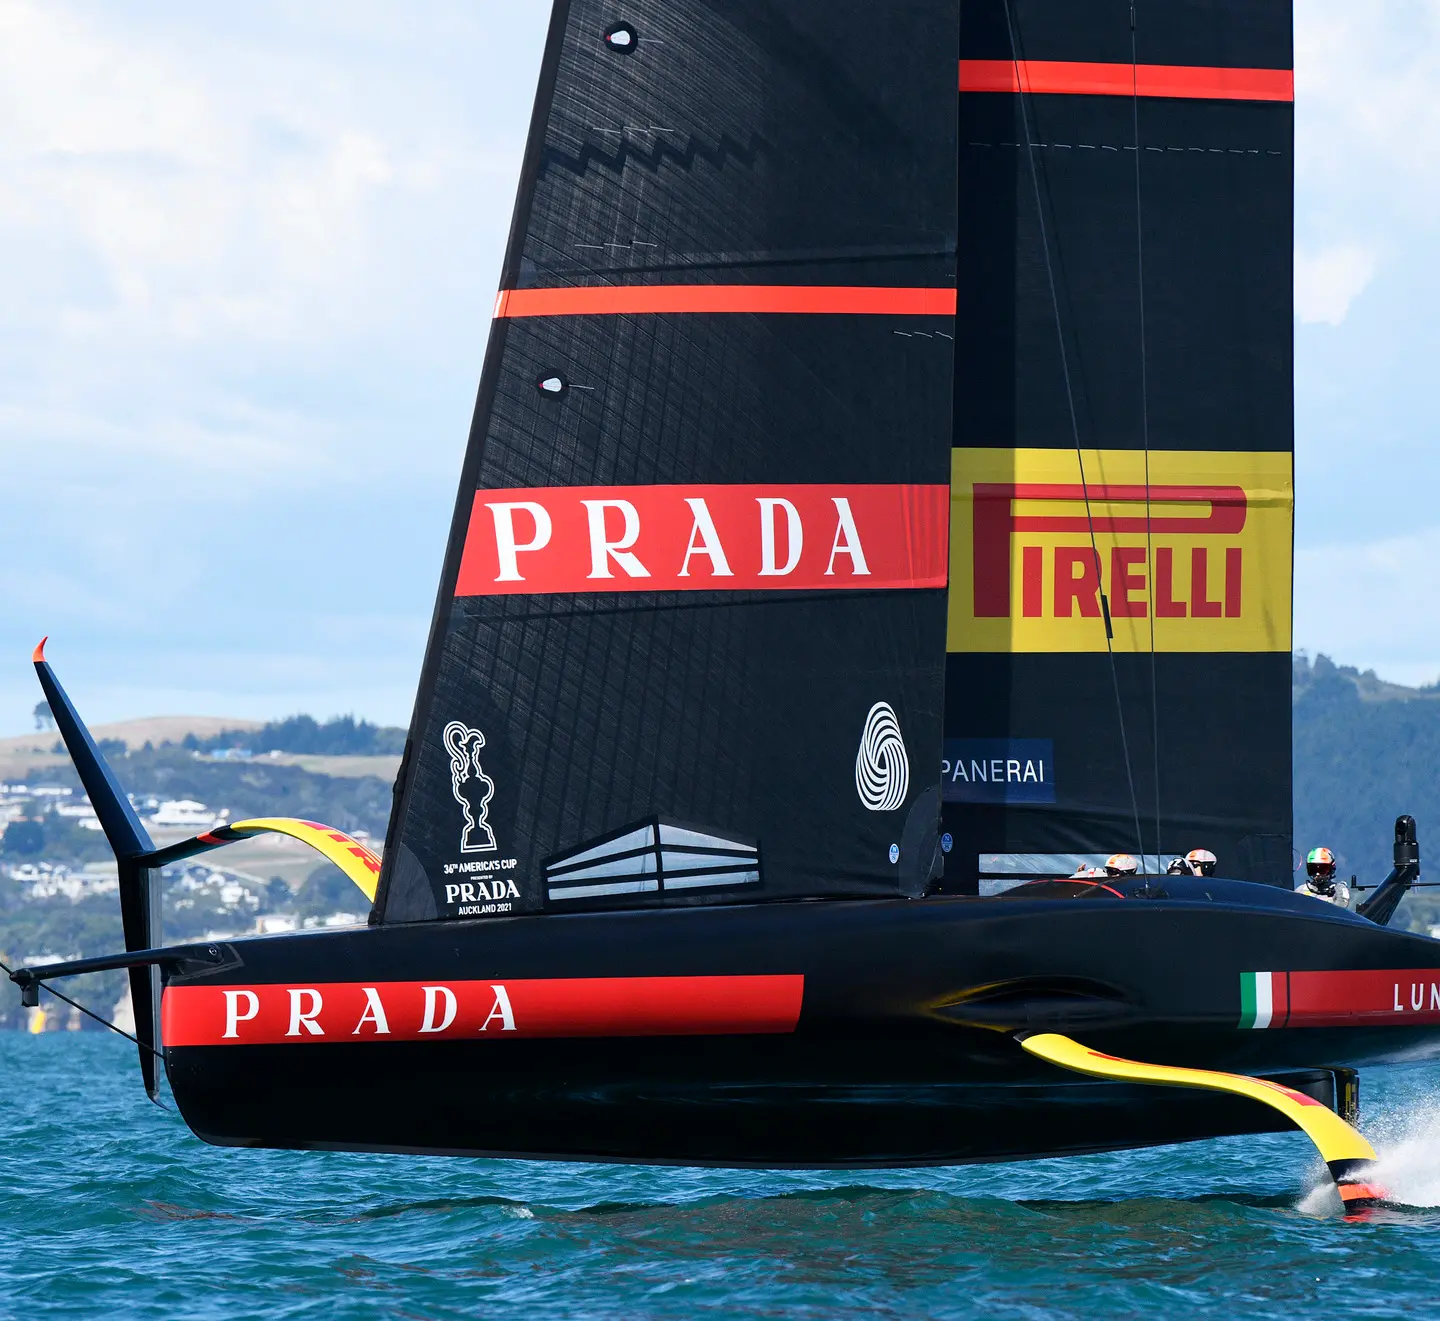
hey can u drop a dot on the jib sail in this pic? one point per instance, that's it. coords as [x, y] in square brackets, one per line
[1121, 538]
[690, 639]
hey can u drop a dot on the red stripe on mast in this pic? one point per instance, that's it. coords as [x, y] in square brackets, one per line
[1070, 78]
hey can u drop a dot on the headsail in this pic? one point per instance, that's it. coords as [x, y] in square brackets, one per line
[1123, 426]
[689, 644]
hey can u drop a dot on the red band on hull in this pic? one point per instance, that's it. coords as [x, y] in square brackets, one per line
[613, 300]
[1069, 78]
[1350, 998]
[279, 1014]
[705, 538]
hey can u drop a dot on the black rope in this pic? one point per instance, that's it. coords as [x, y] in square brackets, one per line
[1074, 422]
[90, 1013]
[1145, 420]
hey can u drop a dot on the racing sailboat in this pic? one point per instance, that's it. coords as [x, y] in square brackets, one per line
[878, 502]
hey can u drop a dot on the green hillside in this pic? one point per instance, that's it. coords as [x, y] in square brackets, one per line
[1365, 751]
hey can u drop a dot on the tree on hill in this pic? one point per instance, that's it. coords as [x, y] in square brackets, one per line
[342, 736]
[23, 839]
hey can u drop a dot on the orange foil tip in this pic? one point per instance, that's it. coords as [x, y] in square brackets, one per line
[38, 655]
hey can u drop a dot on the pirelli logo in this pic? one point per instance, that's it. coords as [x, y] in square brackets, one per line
[1203, 553]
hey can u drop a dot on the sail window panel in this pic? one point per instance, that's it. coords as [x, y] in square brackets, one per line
[611, 890]
[642, 864]
[677, 864]
[634, 841]
[677, 836]
[712, 880]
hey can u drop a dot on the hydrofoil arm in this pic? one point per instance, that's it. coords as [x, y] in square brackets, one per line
[353, 858]
[1346, 1153]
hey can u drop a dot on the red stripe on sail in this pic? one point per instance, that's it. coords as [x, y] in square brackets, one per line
[705, 538]
[618, 300]
[1066, 77]
[494, 1009]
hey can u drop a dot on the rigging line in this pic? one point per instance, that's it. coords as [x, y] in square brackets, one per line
[1145, 421]
[90, 1013]
[1074, 424]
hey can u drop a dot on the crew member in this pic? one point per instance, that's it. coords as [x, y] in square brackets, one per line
[1202, 862]
[1121, 864]
[1179, 867]
[1320, 881]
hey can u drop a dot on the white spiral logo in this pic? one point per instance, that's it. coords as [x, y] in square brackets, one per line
[882, 770]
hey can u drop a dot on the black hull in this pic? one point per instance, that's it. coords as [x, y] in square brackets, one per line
[903, 1052]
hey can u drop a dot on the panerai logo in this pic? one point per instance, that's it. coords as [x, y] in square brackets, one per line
[473, 789]
[882, 768]
[998, 770]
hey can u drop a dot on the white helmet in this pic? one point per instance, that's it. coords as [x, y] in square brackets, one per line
[1121, 864]
[1202, 860]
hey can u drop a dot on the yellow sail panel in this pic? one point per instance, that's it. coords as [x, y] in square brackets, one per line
[1202, 550]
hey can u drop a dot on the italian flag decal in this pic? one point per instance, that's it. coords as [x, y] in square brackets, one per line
[1264, 999]
[1340, 997]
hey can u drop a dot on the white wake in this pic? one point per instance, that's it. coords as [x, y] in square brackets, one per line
[1407, 1142]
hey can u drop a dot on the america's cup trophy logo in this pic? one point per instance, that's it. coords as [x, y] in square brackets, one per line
[882, 768]
[473, 789]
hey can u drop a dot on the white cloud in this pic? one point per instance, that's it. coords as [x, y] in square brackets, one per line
[1373, 604]
[1329, 280]
[249, 255]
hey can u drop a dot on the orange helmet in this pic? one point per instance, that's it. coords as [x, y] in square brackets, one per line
[1121, 864]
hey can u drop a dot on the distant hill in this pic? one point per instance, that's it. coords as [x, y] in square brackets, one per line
[261, 787]
[1365, 751]
[20, 752]
[342, 736]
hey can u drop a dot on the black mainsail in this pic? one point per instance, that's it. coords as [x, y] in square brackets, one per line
[1121, 540]
[690, 637]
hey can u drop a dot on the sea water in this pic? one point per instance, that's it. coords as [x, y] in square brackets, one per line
[109, 1207]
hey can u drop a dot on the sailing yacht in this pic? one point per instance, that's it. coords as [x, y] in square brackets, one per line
[879, 496]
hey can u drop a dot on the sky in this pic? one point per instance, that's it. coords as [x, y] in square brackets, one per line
[249, 253]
